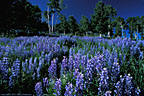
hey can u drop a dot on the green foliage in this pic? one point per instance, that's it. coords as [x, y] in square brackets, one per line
[118, 23]
[102, 17]
[131, 21]
[84, 25]
[72, 23]
[63, 25]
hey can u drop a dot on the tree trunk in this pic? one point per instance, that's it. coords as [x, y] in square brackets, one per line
[48, 19]
[100, 35]
[108, 34]
[109, 30]
[53, 22]
[64, 32]
[135, 34]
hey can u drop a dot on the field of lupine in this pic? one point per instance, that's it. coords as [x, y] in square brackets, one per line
[72, 66]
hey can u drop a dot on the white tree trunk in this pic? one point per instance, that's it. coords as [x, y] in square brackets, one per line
[100, 35]
[64, 32]
[53, 22]
[49, 27]
[108, 30]
[108, 34]
[135, 35]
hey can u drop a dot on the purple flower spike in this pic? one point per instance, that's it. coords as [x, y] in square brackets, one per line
[103, 84]
[108, 93]
[69, 90]
[79, 84]
[45, 82]
[52, 69]
[38, 89]
[58, 85]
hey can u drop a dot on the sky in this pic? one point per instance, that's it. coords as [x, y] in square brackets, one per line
[78, 8]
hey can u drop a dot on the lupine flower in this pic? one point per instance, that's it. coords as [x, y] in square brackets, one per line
[89, 70]
[58, 84]
[38, 72]
[71, 52]
[115, 70]
[103, 82]
[70, 63]
[119, 87]
[75, 73]
[45, 82]
[38, 89]
[15, 68]
[11, 81]
[4, 67]
[41, 61]
[34, 75]
[108, 93]
[128, 85]
[64, 66]
[141, 55]
[52, 69]
[83, 62]
[35, 62]
[79, 84]
[77, 61]
[31, 65]
[69, 90]
[99, 62]
[137, 91]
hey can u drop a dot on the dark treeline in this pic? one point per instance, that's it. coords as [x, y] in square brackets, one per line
[19, 17]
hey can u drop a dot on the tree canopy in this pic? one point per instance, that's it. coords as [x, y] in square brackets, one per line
[19, 14]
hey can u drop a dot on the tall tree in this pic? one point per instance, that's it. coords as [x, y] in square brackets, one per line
[110, 14]
[73, 26]
[19, 14]
[6, 11]
[102, 18]
[63, 24]
[84, 25]
[54, 8]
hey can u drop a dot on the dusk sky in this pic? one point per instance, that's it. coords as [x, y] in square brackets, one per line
[78, 8]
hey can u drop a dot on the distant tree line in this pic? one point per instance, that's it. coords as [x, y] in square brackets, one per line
[103, 21]
[19, 17]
